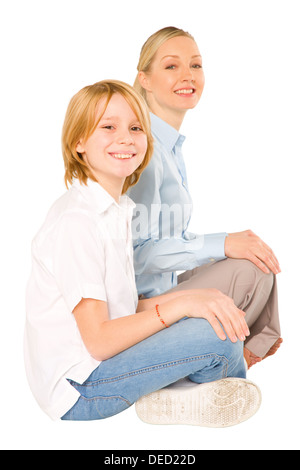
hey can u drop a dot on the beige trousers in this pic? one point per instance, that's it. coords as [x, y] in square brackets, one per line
[252, 291]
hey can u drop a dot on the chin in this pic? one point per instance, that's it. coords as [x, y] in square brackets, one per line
[186, 106]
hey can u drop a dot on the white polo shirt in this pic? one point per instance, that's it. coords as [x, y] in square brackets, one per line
[83, 250]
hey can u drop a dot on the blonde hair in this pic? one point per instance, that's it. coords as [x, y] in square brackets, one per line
[80, 122]
[150, 48]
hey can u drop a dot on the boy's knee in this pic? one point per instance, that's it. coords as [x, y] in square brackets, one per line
[233, 351]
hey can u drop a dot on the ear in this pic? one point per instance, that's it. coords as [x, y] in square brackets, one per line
[144, 81]
[79, 147]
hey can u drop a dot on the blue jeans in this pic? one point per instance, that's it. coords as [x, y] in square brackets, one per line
[189, 348]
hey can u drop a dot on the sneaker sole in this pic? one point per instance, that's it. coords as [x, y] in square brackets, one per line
[219, 404]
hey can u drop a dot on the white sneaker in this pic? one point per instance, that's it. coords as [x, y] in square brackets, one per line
[226, 402]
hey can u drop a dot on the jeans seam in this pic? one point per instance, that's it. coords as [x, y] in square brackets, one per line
[157, 367]
[101, 397]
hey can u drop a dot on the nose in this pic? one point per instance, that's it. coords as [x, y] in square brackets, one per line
[125, 137]
[187, 74]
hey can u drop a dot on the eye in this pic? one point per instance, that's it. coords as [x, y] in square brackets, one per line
[197, 66]
[137, 129]
[108, 127]
[170, 67]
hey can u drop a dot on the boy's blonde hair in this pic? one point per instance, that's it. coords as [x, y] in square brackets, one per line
[150, 48]
[80, 122]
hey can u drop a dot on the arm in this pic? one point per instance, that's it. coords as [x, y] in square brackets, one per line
[145, 304]
[105, 338]
[178, 254]
[161, 242]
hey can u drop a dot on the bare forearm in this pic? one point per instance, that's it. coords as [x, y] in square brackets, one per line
[114, 336]
[105, 338]
[146, 304]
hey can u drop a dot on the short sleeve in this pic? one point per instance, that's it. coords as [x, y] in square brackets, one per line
[79, 261]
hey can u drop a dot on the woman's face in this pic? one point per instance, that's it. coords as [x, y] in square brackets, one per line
[175, 81]
[117, 146]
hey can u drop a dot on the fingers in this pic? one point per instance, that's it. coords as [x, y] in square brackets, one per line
[270, 260]
[225, 317]
[264, 258]
[255, 260]
[220, 311]
[217, 327]
[234, 332]
[247, 245]
[234, 324]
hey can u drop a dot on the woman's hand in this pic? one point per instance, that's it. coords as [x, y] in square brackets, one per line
[247, 245]
[218, 309]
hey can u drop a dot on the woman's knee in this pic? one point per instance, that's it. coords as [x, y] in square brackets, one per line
[248, 274]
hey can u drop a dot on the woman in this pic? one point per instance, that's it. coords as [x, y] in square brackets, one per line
[91, 349]
[171, 79]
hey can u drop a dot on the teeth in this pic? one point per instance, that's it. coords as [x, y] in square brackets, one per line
[184, 92]
[122, 156]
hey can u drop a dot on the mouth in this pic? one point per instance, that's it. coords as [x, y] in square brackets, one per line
[185, 91]
[122, 156]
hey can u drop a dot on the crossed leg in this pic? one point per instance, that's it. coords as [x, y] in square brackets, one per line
[253, 291]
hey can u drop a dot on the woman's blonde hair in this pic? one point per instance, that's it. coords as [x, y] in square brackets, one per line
[80, 122]
[150, 48]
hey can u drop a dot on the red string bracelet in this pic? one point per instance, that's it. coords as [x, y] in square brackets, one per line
[158, 314]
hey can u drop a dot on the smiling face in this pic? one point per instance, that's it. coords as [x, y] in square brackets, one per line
[117, 146]
[175, 81]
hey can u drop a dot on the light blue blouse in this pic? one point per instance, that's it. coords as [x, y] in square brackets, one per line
[162, 243]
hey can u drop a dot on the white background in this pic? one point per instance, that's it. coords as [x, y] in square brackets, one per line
[241, 152]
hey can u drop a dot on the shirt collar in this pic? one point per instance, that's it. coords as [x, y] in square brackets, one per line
[167, 134]
[99, 199]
